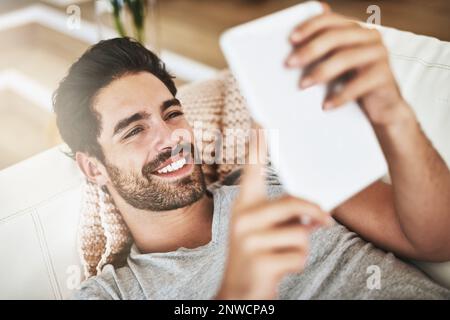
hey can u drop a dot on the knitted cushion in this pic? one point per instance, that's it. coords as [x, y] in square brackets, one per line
[214, 106]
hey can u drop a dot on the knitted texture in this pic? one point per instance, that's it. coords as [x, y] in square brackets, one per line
[214, 105]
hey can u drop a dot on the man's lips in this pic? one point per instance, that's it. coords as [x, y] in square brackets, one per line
[171, 160]
[176, 167]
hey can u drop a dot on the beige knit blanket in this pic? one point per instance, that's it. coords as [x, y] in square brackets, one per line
[214, 105]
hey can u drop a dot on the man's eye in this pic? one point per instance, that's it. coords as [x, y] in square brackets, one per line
[175, 114]
[133, 132]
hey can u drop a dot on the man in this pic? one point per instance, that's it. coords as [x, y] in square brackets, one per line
[117, 111]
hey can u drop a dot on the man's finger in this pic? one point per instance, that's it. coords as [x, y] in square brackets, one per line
[280, 263]
[281, 210]
[279, 238]
[252, 186]
[327, 20]
[368, 79]
[329, 41]
[326, 7]
[341, 62]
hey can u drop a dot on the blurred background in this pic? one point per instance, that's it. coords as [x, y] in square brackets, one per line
[41, 39]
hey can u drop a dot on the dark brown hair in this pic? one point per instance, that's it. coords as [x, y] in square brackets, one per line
[78, 123]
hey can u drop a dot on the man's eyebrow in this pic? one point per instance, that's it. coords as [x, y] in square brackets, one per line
[122, 124]
[169, 103]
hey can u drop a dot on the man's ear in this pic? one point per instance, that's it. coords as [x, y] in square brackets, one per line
[92, 168]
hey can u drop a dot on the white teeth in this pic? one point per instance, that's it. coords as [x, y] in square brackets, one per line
[173, 166]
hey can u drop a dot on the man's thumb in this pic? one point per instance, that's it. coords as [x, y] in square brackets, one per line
[253, 188]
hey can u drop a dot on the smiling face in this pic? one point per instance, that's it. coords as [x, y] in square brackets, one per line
[143, 137]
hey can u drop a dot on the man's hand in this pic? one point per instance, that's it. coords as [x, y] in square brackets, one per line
[267, 240]
[330, 47]
[411, 217]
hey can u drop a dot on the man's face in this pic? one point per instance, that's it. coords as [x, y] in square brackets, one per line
[148, 163]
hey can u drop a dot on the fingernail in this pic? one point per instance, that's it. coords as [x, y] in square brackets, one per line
[293, 61]
[306, 82]
[296, 36]
[328, 104]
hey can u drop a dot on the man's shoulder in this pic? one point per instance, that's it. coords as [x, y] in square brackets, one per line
[111, 284]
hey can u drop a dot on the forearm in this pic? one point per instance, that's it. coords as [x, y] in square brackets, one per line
[420, 181]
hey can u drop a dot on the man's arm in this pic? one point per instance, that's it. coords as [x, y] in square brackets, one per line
[411, 218]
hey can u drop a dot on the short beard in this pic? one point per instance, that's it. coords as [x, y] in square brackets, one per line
[147, 192]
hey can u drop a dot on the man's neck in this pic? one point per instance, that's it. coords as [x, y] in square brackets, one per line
[165, 231]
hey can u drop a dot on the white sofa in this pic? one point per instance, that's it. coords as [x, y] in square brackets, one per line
[40, 198]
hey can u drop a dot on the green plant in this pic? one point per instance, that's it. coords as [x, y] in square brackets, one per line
[137, 9]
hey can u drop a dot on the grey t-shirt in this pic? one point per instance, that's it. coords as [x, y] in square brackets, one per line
[341, 265]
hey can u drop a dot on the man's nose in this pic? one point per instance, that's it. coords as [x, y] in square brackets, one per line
[165, 139]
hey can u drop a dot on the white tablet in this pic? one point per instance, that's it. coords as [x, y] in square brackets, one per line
[321, 156]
